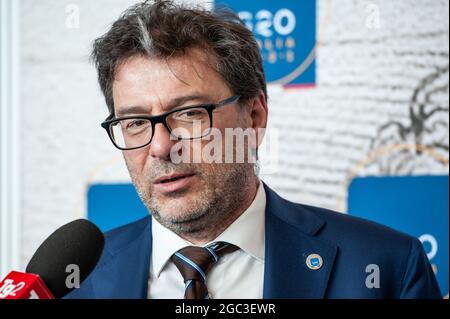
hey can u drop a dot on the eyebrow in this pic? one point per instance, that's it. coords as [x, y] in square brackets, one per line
[138, 109]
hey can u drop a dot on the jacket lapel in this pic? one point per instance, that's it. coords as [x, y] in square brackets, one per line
[290, 230]
[290, 238]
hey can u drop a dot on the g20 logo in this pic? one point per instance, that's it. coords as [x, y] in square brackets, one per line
[265, 23]
[427, 238]
[433, 244]
[286, 35]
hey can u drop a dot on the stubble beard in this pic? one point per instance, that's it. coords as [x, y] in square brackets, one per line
[223, 190]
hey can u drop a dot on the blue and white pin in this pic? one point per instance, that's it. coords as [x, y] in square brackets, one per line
[314, 261]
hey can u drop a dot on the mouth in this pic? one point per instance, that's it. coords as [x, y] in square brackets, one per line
[173, 182]
[171, 178]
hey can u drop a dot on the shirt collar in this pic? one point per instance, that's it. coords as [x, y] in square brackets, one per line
[247, 232]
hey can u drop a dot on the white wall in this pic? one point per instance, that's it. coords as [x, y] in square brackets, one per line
[366, 78]
[10, 192]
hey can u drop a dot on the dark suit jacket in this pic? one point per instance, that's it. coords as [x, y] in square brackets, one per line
[346, 244]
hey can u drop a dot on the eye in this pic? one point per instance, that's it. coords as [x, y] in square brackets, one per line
[190, 114]
[135, 124]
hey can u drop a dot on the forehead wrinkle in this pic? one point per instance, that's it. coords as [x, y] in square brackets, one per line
[174, 73]
[193, 58]
[187, 69]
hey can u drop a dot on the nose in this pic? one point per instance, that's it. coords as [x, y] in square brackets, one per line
[161, 143]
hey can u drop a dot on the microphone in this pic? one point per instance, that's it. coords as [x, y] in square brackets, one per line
[76, 246]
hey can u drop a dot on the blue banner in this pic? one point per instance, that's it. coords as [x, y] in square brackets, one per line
[416, 205]
[286, 33]
[113, 205]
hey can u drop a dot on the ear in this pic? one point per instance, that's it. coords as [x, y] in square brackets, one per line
[258, 113]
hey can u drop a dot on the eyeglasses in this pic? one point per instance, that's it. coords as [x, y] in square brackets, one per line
[187, 123]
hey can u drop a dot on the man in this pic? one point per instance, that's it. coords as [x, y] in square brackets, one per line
[173, 76]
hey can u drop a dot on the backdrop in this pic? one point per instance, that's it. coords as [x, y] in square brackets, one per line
[358, 95]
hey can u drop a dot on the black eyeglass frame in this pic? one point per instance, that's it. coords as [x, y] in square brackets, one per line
[110, 120]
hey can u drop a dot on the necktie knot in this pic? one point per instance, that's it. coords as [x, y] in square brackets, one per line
[194, 263]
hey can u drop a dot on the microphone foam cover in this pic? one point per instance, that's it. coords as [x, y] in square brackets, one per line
[78, 243]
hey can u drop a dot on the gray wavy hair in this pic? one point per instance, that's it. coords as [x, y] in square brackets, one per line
[163, 29]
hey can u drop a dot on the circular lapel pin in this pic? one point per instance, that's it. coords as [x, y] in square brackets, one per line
[314, 261]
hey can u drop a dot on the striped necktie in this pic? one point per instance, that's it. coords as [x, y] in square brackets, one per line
[194, 263]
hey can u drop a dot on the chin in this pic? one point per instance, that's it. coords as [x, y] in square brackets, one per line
[174, 209]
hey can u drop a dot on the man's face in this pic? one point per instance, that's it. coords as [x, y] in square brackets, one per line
[207, 193]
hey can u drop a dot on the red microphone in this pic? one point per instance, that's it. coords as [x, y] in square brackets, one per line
[19, 285]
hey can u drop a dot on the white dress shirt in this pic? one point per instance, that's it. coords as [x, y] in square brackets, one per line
[239, 274]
